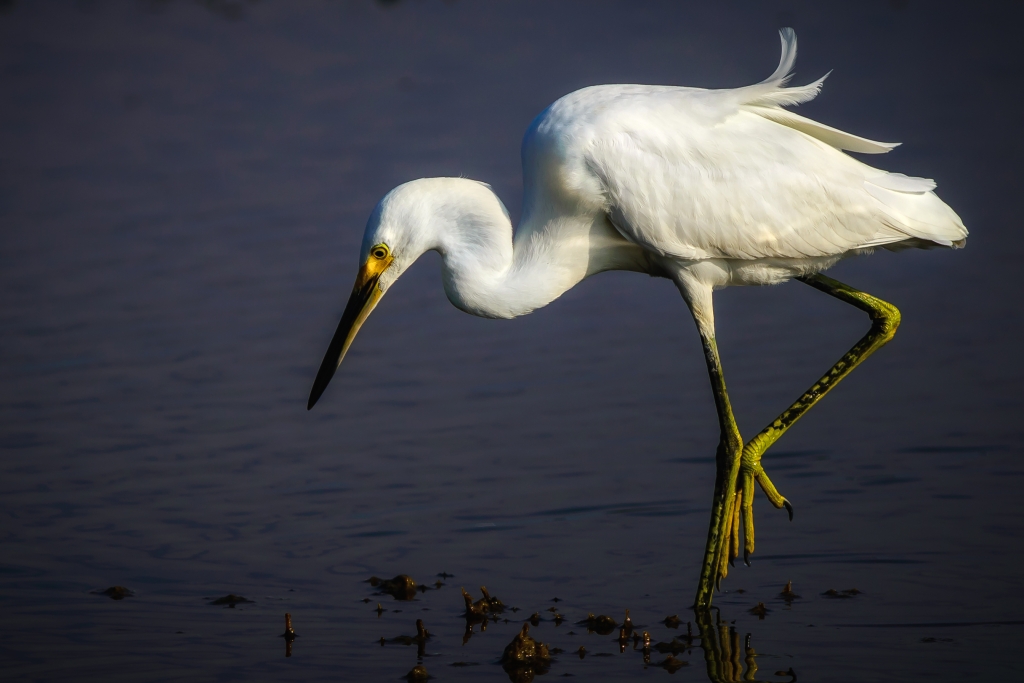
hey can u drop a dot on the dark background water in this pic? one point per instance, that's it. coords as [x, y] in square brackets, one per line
[183, 188]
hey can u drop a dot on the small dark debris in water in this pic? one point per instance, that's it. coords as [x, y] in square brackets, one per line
[524, 657]
[116, 592]
[446, 575]
[848, 593]
[514, 609]
[601, 624]
[402, 587]
[552, 609]
[478, 610]
[759, 610]
[496, 604]
[571, 633]
[604, 654]
[787, 593]
[582, 652]
[230, 600]
[557, 650]
[675, 647]
[464, 664]
[438, 584]
[396, 611]
[936, 640]
[179, 631]
[423, 588]
[484, 606]
[556, 599]
[740, 591]
[367, 600]
[673, 621]
[790, 672]
[567, 674]
[289, 632]
[534, 619]
[382, 641]
[379, 610]
[422, 635]
[671, 664]
[418, 673]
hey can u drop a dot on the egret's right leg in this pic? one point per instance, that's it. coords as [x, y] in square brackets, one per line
[738, 468]
[885, 318]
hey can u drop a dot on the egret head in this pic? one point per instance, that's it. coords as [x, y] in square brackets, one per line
[412, 219]
[382, 258]
[399, 230]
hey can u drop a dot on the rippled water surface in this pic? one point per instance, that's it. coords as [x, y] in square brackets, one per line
[183, 188]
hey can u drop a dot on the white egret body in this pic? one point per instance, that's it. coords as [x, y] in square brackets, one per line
[708, 188]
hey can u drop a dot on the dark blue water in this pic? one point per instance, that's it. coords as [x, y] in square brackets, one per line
[183, 187]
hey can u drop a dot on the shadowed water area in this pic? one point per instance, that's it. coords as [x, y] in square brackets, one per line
[183, 190]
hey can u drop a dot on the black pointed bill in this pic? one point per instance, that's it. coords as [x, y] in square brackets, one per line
[365, 295]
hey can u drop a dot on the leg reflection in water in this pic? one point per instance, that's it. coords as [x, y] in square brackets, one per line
[726, 660]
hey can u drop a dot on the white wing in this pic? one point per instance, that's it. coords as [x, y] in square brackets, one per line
[701, 174]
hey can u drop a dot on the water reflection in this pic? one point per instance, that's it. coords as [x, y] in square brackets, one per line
[482, 610]
[230, 600]
[288, 635]
[726, 660]
[419, 640]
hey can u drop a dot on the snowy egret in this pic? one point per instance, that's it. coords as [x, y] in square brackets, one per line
[708, 188]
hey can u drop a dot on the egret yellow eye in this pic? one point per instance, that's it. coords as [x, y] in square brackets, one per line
[380, 251]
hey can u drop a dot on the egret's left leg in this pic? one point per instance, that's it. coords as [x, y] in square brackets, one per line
[885, 318]
[722, 538]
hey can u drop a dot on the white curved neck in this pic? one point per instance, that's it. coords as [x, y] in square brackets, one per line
[487, 274]
[484, 272]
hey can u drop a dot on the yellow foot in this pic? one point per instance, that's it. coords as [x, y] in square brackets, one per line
[732, 510]
[745, 507]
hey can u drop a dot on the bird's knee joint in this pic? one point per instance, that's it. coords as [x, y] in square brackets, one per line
[886, 320]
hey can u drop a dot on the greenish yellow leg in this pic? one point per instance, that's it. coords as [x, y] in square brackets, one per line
[738, 467]
[885, 318]
[727, 468]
